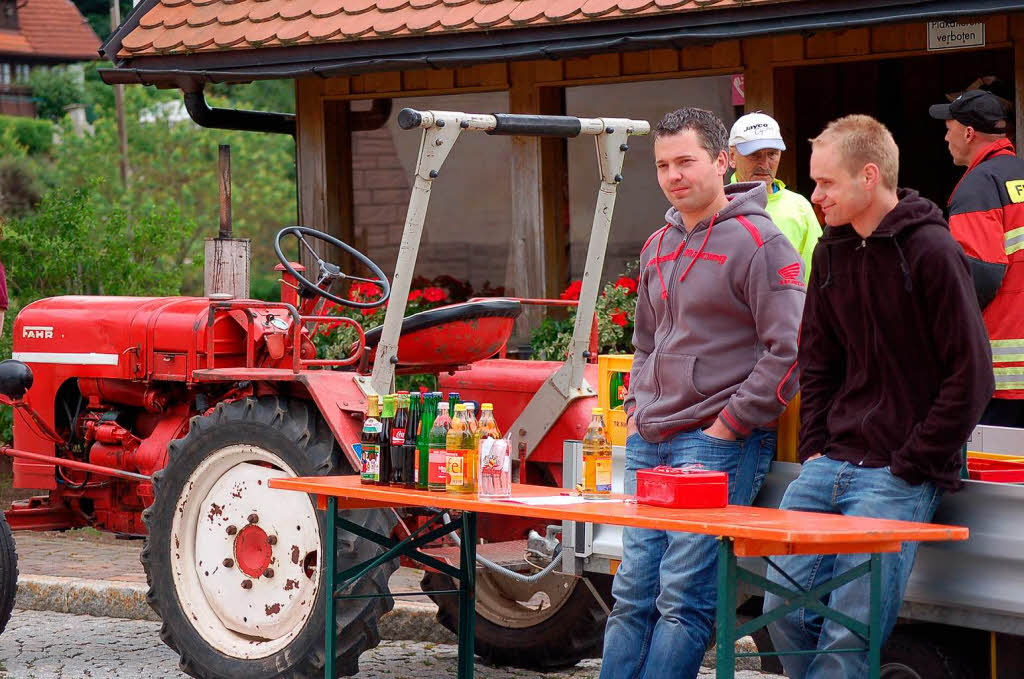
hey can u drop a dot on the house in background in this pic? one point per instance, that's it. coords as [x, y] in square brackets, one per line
[36, 33]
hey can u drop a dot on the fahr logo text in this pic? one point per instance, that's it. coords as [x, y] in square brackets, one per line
[37, 332]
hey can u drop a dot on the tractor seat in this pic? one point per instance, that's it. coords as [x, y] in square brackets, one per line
[457, 334]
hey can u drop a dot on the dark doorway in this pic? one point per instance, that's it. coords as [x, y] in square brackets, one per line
[897, 92]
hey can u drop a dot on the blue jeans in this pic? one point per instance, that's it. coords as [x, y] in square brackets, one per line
[825, 485]
[665, 590]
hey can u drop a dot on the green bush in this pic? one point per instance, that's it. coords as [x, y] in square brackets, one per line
[54, 88]
[35, 135]
[76, 244]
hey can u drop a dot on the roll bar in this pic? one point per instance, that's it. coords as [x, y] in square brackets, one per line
[518, 124]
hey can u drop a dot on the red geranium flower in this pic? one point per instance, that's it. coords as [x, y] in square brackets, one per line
[573, 291]
[619, 318]
[415, 295]
[433, 294]
[627, 284]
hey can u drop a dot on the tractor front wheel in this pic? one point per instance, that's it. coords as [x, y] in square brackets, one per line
[235, 568]
[8, 572]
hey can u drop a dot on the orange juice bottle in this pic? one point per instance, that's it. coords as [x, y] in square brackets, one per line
[597, 457]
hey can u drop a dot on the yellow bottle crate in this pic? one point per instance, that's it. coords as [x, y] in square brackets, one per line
[607, 365]
[789, 421]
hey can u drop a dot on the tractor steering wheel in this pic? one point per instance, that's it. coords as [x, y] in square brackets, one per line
[329, 273]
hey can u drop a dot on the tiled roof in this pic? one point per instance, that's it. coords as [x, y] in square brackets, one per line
[50, 28]
[188, 26]
[13, 42]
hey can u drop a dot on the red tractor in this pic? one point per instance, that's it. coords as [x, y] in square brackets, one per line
[165, 417]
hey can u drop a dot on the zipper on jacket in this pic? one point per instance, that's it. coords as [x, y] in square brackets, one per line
[874, 345]
[671, 327]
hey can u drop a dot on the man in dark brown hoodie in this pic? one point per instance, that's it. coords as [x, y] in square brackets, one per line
[894, 374]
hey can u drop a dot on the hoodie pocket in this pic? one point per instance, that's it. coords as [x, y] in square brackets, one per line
[676, 393]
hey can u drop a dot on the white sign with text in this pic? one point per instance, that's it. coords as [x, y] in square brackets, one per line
[952, 35]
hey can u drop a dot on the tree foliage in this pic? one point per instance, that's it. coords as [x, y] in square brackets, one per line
[54, 88]
[172, 161]
[75, 243]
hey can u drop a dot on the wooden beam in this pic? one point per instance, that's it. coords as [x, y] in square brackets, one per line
[555, 196]
[310, 158]
[524, 269]
[340, 209]
[784, 112]
[758, 82]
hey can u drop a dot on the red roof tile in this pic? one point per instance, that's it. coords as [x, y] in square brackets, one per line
[13, 42]
[184, 26]
[51, 28]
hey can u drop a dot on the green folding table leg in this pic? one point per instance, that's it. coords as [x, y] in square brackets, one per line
[875, 619]
[725, 630]
[467, 596]
[330, 630]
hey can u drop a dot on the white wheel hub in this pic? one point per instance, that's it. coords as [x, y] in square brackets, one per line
[245, 556]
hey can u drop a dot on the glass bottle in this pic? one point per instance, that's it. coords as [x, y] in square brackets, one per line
[399, 431]
[370, 442]
[460, 458]
[384, 456]
[488, 426]
[616, 391]
[453, 400]
[410, 450]
[474, 424]
[597, 457]
[423, 440]
[438, 446]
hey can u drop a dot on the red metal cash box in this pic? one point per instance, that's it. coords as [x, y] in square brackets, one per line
[682, 488]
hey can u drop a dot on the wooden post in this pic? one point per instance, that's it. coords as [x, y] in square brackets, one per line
[538, 208]
[340, 212]
[555, 196]
[771, 90]
[524, 269]
[310, 156]
[224, 167]
[226, 267]
[122, 131]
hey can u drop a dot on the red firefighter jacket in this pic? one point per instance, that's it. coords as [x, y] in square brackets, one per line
[986, 216]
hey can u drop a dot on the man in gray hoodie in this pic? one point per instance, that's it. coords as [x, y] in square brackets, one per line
[718, 310]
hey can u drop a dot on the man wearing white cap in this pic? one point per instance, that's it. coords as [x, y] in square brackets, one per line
[755, 149]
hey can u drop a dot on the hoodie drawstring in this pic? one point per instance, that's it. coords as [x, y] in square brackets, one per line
[700, 251]
[657, 264]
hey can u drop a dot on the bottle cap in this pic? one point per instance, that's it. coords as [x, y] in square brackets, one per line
[460, 407]
[443, 405]
[597, 411]
[487, 406]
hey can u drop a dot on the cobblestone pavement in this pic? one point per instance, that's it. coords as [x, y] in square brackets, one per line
[89, 554]
[40, 645]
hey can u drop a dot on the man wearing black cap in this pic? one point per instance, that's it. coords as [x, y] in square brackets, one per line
[986, 216]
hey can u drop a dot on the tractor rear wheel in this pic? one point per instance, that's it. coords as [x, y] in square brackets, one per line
[8, 572]
[236, 569]
[548, 625]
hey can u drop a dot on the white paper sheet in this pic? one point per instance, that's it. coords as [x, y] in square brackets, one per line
[557, 500]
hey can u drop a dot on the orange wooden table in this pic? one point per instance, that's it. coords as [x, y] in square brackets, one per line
[743, 532]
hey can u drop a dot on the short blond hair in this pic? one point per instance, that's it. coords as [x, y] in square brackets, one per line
[861, 140]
